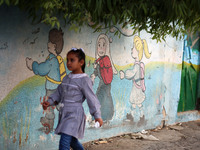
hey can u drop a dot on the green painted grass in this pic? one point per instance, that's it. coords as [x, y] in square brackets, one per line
[188, 93]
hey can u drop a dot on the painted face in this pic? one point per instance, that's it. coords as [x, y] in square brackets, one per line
[101, 49]
[134, 54]
[51, 47]
[73, 63]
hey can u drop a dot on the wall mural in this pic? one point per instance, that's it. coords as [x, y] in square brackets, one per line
[135, 79]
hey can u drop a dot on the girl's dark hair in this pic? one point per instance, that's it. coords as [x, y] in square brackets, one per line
[80, 54]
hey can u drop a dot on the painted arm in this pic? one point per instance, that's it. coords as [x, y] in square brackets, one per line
[95, 73]
[29, 62]
[129, 74]
[41, 69]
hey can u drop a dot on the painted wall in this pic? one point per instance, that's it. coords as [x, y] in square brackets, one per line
[141, 89]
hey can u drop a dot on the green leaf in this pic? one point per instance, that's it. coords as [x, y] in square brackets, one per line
[16, 2]
[1, 2]
[46, 5]
[109, 5]
[129, 13]
[180, 10]
[145, 9]
[7, 2]
[74, 27]
[120, 35]
[58, 24]
[89, 3]
[116, 33]
[113, 19]
[100, 7]
[52, 23]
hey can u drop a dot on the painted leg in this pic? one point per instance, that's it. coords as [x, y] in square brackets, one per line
[133, 109]
[130, 116]
[142, 120]
[141, 110]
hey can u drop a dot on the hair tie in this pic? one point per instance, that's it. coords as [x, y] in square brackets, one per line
[75, 49]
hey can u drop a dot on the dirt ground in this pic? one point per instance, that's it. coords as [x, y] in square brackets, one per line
[182, 136]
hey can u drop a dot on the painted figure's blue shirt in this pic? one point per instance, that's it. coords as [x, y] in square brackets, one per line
[48, 68]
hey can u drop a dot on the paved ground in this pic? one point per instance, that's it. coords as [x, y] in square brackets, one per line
[182, 136]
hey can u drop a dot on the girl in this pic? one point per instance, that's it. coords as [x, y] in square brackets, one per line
[70, 95]
[136, 74]
[104, 69]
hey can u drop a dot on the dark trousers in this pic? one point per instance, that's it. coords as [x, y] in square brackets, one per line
[67, 140]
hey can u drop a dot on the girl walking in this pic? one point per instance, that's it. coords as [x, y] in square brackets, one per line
[70, 94]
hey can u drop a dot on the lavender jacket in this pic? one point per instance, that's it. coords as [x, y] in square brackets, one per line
[71, 93]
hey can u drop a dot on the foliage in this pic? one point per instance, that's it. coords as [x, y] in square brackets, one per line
[157, 17]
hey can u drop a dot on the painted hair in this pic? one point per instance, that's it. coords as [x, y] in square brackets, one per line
[80, 54]
[141, 45]
[56, 37]
[107, 42]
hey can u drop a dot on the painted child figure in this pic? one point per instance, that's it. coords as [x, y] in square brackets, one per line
[104, 70]
[71, 93]
[137, 95]
[53, 69]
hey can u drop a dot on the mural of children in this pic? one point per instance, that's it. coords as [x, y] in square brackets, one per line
[104, 69]
[137, 95]
[53, 69]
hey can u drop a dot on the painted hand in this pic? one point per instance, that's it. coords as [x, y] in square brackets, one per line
[121, 74]
[29, 63]
[92, 77]
[45, 105]
[95, 65]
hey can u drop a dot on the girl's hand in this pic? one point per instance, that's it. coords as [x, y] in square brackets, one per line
[100, 121]
[45, 105]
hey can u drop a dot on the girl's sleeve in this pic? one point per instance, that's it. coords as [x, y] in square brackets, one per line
[56, 96]
[92, 100]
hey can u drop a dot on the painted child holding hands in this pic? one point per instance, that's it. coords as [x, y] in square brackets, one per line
[70, 94]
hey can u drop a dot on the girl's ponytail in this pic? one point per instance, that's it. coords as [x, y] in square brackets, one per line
[146, 52]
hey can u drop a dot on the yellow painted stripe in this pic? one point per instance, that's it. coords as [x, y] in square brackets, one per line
[52, 80]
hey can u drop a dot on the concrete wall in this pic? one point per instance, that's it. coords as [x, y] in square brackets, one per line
[134, 108]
